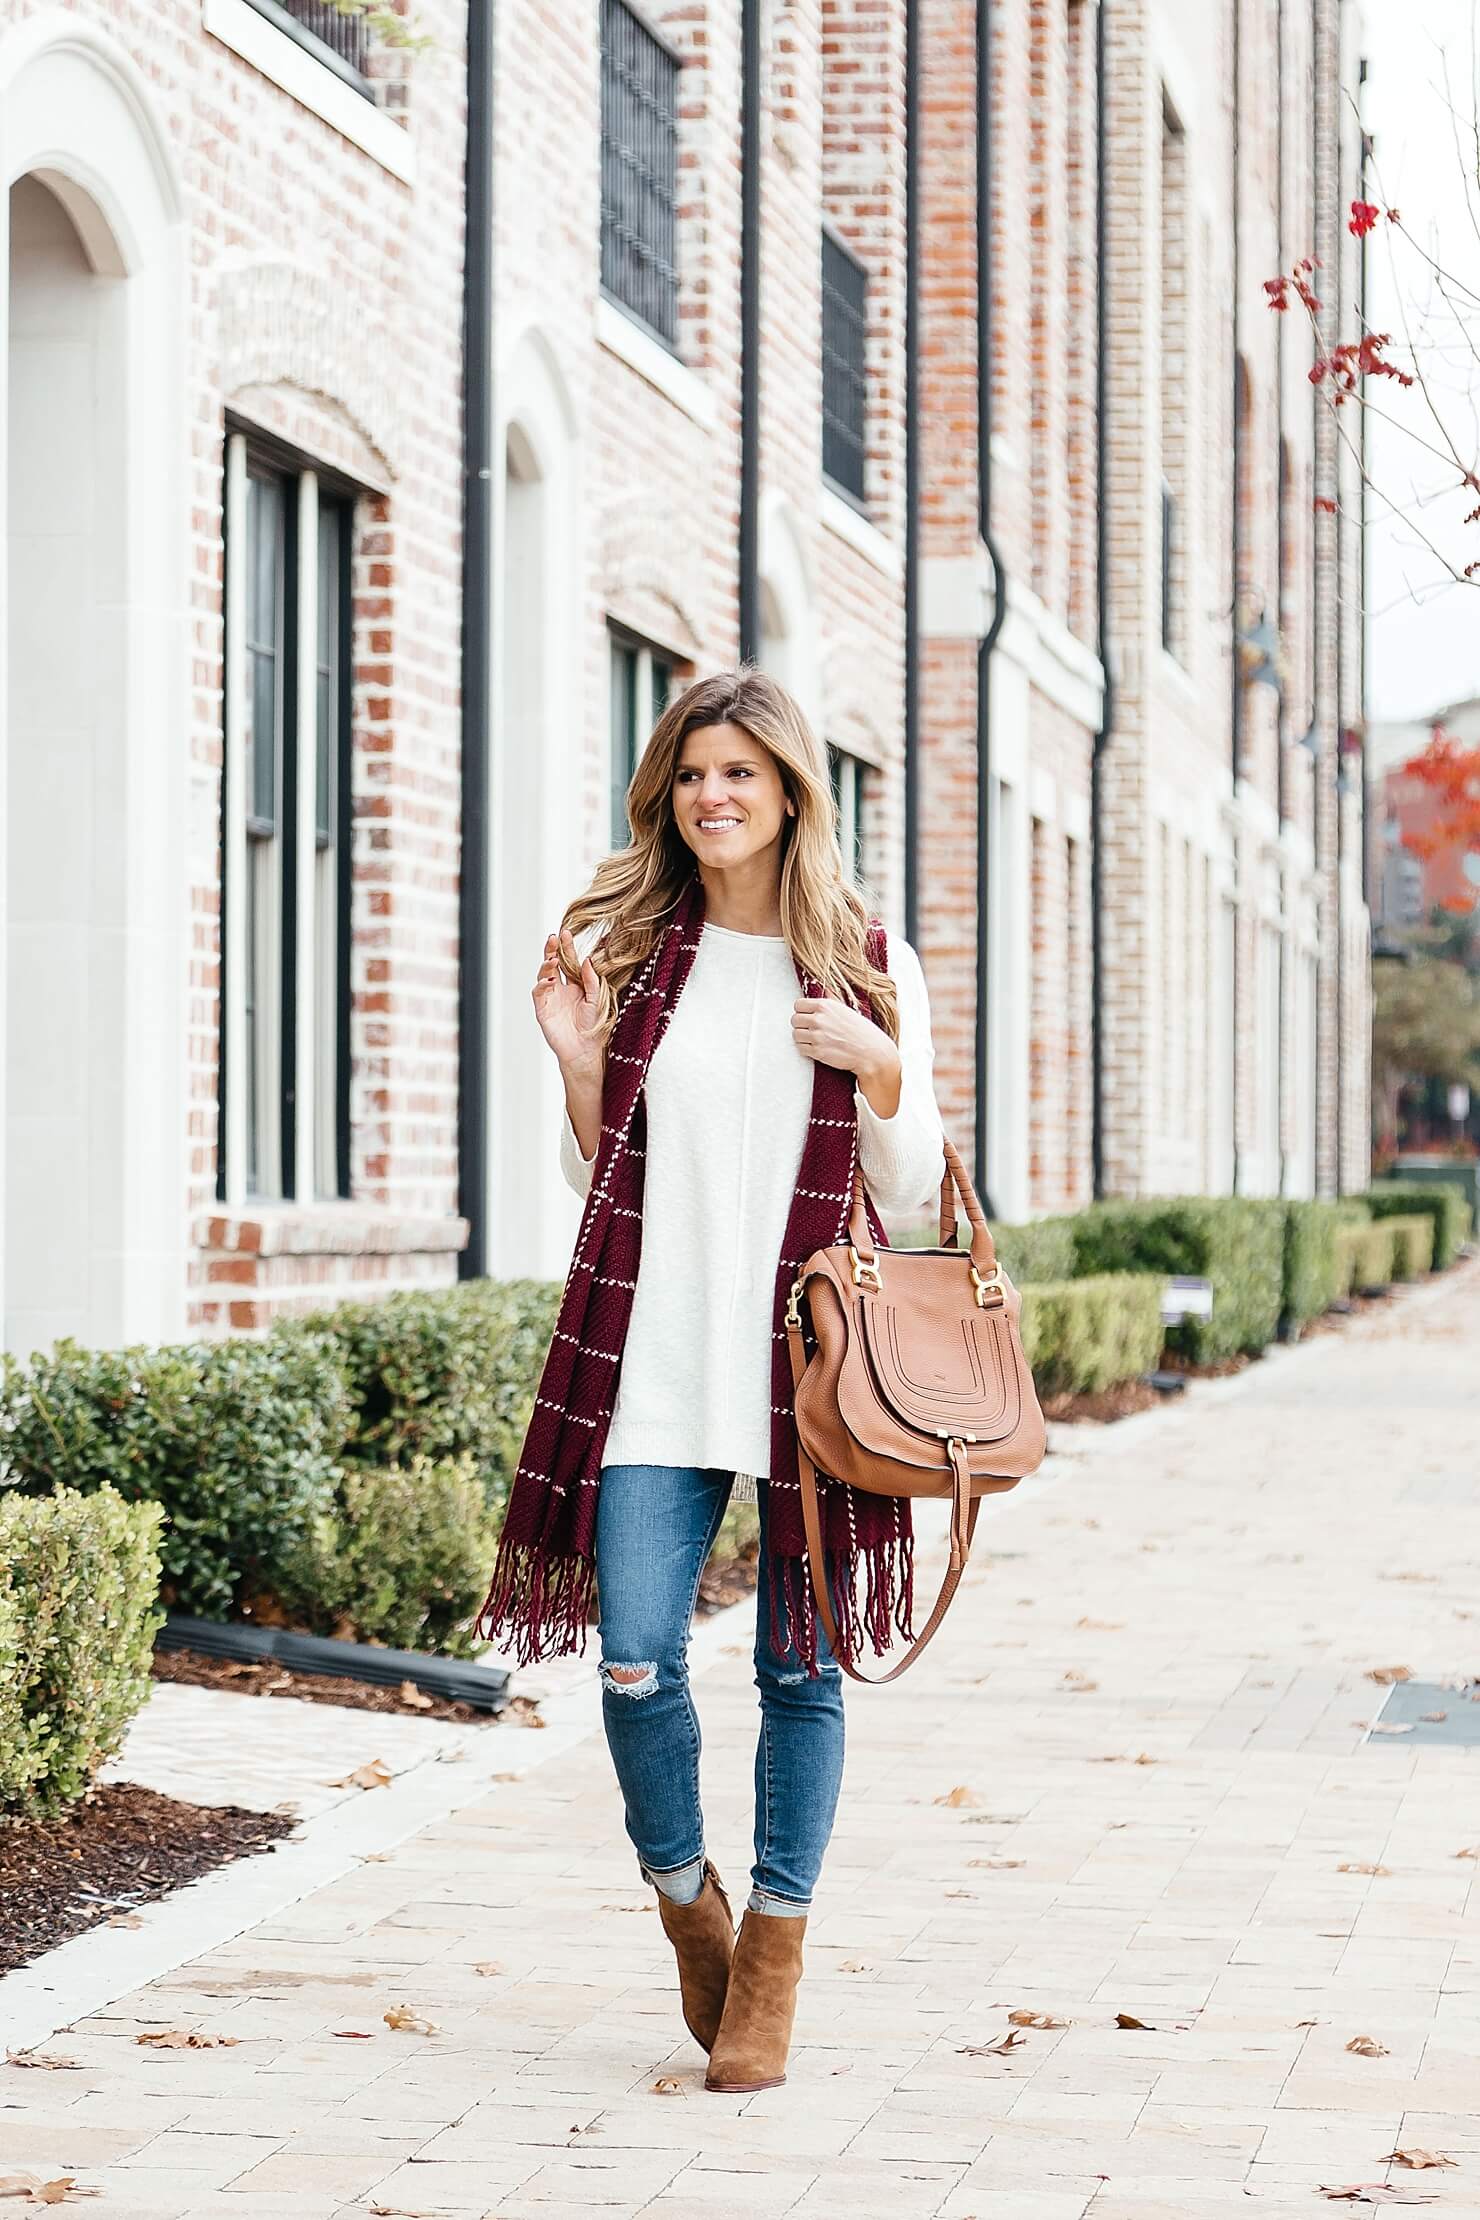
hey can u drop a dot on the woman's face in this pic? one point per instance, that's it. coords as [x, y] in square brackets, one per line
[728, 800]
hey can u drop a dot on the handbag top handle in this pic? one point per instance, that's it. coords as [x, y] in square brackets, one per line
[954, 1182]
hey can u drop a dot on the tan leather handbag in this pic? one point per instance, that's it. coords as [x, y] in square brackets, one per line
[918, 1385]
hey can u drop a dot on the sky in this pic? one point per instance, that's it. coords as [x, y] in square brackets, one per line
[1425, 629]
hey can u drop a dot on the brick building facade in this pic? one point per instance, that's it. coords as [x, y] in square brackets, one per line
[238, 739]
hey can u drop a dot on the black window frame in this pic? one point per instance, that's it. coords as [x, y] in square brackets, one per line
[845, 314]
[340, 42]
[640, 76]
[627, 649]
[272, 461]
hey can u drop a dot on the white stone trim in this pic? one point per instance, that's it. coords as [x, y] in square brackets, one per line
[1059, 666]
[293, 69]
[626, 339]
[956, 596]
[841, 518]
[1045, 796]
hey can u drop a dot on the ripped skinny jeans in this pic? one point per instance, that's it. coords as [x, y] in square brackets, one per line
[655, 1526]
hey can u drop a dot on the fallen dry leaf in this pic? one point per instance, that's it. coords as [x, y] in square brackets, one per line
[352, 2034]
[853, 1965]
[1471, 1853]
[418, 1699]
[403, 2212]
[998, 1865]
[1078, 1684]
[1418, 2160]
[125, 1919]
[1034, 2019]
[1433, 1718]
[1009, 2042]
[1367, 2046]
[1376, 2193]
[1386, 1675]
[666, 2086]
[58, 2191]
[958, 1799]
[488, 1966]
[1390, 1726]
[186, 2038]
[48, 2060]
[377, 1774]
[405, 2021]
[1101, 1626]
[1128, 2019]
[1356, 1865]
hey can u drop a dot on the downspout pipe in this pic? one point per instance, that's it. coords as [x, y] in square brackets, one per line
[912, 458]
[1106, 732]
[1241, 432]
[477, 660]
[984, 346]
[1281, 728]
[749, 584]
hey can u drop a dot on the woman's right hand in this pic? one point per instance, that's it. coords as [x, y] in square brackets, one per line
[568, 1010]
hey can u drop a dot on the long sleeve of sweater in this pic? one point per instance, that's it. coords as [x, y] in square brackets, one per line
[902, 1156]
[577, 1169]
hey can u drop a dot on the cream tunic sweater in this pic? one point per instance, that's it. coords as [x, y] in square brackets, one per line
[728, 1099]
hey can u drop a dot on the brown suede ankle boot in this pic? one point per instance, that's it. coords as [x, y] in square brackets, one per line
[703, 1938]
[754, 2036]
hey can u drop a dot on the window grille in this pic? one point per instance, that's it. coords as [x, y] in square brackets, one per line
[639, 170]
[844, 369]
[341, 40]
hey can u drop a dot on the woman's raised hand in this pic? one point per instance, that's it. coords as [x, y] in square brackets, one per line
[568, 1009]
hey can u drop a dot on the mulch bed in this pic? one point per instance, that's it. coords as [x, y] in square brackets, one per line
[725, 1581]
[244, 1679]
[119, 1847]
[1104, 1405]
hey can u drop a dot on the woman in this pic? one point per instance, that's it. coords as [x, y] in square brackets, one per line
[736, 1033]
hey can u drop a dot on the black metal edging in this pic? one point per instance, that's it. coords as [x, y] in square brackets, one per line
[912, 473]
[749, 584]
[1102, 594]
[984, 341]
[485, 1687]
[477, 664]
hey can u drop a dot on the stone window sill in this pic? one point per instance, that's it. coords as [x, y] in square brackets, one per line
[327, 1229]
[249, 34]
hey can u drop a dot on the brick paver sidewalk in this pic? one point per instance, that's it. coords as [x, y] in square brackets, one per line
[1126, 1781]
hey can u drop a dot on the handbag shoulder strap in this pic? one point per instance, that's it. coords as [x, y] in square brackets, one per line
[964, 1511]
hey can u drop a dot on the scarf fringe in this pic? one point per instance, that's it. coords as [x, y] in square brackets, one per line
[537, 1605]
[883, 1616]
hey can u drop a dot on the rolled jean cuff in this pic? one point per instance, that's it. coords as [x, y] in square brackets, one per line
[681, 1884]
[777, 1907]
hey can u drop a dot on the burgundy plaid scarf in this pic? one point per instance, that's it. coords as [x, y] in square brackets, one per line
[544, 1578]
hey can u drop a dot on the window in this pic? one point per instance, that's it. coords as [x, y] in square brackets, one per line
[844, 373]
[342, 41]
[847, 785]
[1175, 374]
[641, 682]
[639, 170]
[1169, 553]
[284, 841]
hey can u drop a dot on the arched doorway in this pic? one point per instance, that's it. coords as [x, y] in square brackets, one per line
[92, 1075]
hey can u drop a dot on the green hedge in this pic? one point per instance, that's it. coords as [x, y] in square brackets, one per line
[1364, 1255]
[1039, 1251]
[403, 1558]
[79, 1577]
[1447, 1206]
[1080, 1335]
[1311, 1271]
[237, 1441]
[1413, 1244]
[440, 1373]
[1237, 1245]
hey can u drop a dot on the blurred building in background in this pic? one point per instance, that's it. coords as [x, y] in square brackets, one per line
[390, 430]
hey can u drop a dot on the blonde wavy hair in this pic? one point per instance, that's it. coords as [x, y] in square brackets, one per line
[635, 890]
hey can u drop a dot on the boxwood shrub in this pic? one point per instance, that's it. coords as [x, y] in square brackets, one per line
[1446, 1205]
[1364, 1254]
[1413, 1244]
[402, 1558]
[237, 1441]
[79, 1581]
[1238, 1245]
[441, 1373]
[1311, 1283]
[1081, 1335]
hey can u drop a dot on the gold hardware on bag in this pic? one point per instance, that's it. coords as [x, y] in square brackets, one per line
[793, 1315]
[991, 1285]
[865, 1271]
[949, 1434]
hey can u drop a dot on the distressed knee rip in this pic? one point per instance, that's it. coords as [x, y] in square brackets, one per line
[629, 1680]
